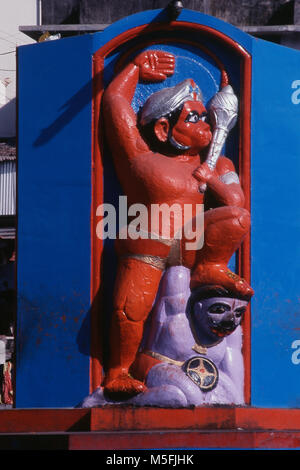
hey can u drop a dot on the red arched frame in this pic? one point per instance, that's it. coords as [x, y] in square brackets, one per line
[96, 371]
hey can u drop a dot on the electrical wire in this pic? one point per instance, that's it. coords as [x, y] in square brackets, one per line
[3, 39]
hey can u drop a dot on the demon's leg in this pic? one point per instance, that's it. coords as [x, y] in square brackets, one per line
[224, 231]
[135, 290]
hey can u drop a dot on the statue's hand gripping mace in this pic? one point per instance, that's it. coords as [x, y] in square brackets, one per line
[223, 112]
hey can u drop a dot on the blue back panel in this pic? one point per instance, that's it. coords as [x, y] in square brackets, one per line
[275, 226]
[54, 204]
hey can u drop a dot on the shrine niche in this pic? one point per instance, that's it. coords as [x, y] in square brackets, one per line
[171, 120]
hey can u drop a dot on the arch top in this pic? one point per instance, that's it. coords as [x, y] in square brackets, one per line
[155, 18]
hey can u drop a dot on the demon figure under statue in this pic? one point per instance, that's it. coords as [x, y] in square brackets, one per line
[191, 353]
[168, 153]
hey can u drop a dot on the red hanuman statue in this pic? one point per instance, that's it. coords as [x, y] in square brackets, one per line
[159, 157]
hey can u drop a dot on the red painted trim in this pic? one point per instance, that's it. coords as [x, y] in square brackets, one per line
[116, 419]
[44, 420]
[188, 440]
[244, 255]
[268, 418]
[96, 243]
[150, 419]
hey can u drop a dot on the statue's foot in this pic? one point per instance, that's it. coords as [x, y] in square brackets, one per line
[123, 386]
[211, 274]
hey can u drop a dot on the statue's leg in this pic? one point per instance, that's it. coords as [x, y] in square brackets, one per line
[224, 231]
[135, 290]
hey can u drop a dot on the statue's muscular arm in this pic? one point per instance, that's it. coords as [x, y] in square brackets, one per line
[120, 119]
[226, 192]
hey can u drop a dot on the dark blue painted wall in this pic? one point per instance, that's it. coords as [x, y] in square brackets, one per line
[54, 197]
[275, 226]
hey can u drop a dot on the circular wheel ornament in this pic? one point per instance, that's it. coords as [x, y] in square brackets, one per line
[202, 372]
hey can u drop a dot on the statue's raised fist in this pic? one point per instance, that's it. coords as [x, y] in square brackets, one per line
[155, 66]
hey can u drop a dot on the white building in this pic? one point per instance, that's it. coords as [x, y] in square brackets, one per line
[13, 13]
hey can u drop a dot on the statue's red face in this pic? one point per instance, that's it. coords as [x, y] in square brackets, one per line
[191, 130]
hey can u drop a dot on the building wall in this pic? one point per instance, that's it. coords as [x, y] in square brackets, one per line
[13, 14]
[237, 12]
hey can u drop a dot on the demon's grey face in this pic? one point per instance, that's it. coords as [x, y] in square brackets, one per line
[218, 316]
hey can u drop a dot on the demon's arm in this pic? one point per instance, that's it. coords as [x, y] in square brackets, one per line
[120, 119]
[233, 364]
[223, 183]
